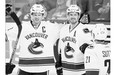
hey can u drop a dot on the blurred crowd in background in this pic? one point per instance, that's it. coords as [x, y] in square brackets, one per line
[99, 10]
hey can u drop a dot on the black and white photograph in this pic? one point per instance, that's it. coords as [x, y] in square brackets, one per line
[57, 37]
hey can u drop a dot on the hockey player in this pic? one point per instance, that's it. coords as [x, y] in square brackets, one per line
[74, 38]
[97, 55]
[36, 41]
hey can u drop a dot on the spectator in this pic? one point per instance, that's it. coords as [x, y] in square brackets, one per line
[60, 11]
[84, 5]
[94, 5]
[49, 4]
[99, 9]
[23, 12]
[104, 10]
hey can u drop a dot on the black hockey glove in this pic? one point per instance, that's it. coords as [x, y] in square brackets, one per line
[59, 71]
[9, 68]
[85, 19]
[8, 9]
[59, 68]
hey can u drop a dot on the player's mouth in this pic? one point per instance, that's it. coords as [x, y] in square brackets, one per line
[73, 19]
[37, 19]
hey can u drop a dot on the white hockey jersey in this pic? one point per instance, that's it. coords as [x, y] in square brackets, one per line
[11, 31]
[97, 58]
[70, 41]
[36, 46]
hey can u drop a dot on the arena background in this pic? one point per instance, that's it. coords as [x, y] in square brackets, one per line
[56, 15]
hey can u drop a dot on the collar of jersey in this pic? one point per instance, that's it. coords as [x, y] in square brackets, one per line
[33, 26]
[74, 27]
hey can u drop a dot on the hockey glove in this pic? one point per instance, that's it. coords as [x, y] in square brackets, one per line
[58, 68]
[85, 19]
[9, 68]
[8, 9]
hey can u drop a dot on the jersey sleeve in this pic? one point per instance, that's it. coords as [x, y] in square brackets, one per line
[85, 36]
[91, 60]
[88, 39]
[11, 30]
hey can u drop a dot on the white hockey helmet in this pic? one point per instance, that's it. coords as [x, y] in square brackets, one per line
[74, 8]
[99, 32]
[38, 8]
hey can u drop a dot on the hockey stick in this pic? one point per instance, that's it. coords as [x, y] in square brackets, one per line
[16, 19]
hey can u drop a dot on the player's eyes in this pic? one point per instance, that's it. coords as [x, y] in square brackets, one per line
[73, 14]
[36, 14]
[70, 14]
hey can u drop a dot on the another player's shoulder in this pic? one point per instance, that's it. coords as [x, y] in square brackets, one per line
[90, 49]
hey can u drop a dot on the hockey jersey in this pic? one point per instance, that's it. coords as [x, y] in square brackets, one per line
[11, 31]
[70, 41]
[97, 58]
[36, 46]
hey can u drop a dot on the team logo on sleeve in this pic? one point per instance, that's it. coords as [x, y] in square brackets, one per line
[86, 30]
[36, 47]
[68, 50]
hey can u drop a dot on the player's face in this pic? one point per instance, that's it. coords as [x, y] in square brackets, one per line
[36, 17]
[73, 17]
